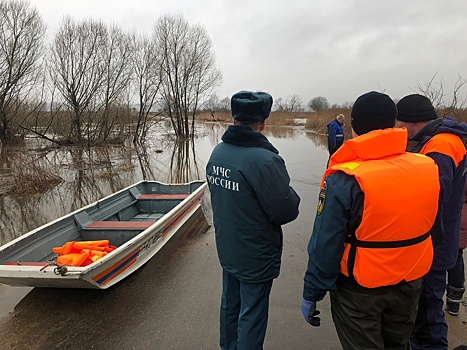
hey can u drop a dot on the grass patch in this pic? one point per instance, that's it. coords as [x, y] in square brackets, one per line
[314, 121]
[28, 177]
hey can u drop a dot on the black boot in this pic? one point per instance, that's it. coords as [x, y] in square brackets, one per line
[453, 299]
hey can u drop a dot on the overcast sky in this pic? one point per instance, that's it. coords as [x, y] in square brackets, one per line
[331, 48]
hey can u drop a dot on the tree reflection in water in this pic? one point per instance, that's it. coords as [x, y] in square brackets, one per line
[92, 173]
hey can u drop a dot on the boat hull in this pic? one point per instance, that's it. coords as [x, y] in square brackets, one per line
[185, 219]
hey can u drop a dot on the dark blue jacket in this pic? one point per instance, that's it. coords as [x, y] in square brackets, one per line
[342, 198]
[335, 136]
[453, 183]
[251, 198]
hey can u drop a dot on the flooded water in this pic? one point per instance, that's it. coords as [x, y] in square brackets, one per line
[92, 174]
[172, 302]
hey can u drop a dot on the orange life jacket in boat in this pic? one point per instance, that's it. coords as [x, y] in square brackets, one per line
[77, 247]
[401, 190]
[82, 253]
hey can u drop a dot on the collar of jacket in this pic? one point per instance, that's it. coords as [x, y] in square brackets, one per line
[244, 136]
[376, 144]
[438, 126]
[427, 131]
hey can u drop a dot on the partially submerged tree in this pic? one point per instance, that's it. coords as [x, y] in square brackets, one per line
[77, 70]
[189, 73]
[90, 67]
[212, 104]
[116, 80]
[146, 64]
[22, 34]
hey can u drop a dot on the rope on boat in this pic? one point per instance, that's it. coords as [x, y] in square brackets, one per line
[59, 269]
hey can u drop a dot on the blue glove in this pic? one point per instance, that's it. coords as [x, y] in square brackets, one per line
[310, 313]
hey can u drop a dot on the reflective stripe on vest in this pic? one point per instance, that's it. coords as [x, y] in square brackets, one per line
[392, 242]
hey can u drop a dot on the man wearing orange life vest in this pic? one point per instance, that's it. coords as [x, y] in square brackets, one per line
[441, 140]
[364, 248]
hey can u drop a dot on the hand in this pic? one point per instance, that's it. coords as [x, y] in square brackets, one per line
[310, 313]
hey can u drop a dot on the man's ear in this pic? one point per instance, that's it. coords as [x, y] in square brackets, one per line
[262, 125]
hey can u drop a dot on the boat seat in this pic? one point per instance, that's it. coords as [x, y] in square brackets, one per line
[119, 225]
[25, 263]
[117, 232]
[147, 217]
[164, 196]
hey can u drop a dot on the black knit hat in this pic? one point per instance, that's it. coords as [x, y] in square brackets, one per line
[372, 111]
[251, 106]
[415, 108]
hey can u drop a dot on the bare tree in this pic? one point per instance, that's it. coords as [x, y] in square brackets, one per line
[116, 79]
[22, 34]
[294, 102]
[445, 103]
[224, 104]
[280, 104]
[78, 70]
[146, 64]
[318, 103]
[212, 104]
[291, 104]
[189, 73]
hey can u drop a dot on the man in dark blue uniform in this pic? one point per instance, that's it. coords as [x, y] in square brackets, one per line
[441, 140]
[335, 134]
[251, 198]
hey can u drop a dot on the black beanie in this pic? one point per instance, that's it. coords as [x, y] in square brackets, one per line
[372, 111]
[415, 108]
[251, 106]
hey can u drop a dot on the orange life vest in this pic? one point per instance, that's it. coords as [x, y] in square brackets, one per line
[82, 253]
[448, 144]
[392, 243]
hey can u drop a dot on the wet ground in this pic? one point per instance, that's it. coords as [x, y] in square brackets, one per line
[173, 301]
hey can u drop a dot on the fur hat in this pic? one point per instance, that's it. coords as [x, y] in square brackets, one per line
[251, 106]
[371, 111]
[415, 108]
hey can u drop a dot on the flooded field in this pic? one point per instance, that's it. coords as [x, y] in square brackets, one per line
[90, 174]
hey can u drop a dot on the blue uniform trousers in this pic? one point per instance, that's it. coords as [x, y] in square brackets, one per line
[243, 313]
[431, 329]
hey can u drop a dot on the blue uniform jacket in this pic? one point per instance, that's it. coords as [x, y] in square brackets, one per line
[341, 199]
[251, 198]
[335, 135]
[452, 180]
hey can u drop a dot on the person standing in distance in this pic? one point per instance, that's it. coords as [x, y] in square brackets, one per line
[251, 198]
[439, 139]
[371, 241]
[335, 134]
